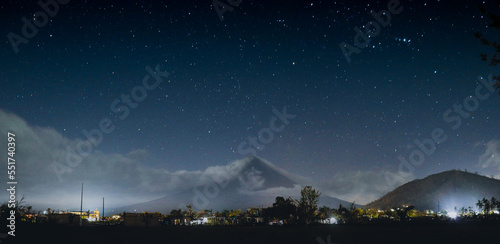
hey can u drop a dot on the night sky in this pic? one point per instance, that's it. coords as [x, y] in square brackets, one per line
[228, 79]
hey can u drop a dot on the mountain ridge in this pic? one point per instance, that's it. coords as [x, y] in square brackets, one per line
[449, 189]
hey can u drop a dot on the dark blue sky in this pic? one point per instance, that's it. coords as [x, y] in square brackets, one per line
[227, 76]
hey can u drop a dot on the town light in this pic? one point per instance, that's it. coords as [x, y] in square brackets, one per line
[332, 220]
[452, 215]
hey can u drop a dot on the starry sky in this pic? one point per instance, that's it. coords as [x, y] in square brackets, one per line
[227, 79]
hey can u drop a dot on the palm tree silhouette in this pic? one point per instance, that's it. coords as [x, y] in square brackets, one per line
[480, 205]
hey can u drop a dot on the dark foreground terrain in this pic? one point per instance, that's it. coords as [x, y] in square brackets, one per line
[382, 233]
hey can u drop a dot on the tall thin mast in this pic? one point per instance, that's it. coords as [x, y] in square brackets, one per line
[81, 206]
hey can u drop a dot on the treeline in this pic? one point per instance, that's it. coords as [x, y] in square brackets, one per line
[488, 206]
[288, 211]
[283, 211]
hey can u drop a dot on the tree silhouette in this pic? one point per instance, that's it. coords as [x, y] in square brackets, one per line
[308, 205]
[403, 212]
[480, 204]
[235, 216]
[146, 218]
[493, 59]
[189, 213]
[347, 216]
[324, 212]
[487, 205]
[175, 214]
[495, 204]
[224, 215]
[284, 209]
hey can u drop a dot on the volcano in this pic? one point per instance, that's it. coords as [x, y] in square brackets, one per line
[250, 182]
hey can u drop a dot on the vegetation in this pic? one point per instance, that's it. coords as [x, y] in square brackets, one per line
[287, 211]
[488, 206]
[22, 211]
[282, 209]
[493, 59]
[308, 205]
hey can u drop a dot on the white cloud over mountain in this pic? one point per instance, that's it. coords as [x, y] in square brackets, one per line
[124, 179]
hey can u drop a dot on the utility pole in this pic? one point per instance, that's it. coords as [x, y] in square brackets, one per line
[81, 207]
[103, 208]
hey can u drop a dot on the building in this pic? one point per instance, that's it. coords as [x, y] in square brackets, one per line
[254, 215]
[202, 218]
[94, 216]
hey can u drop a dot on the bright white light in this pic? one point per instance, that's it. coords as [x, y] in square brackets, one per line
[452, 215]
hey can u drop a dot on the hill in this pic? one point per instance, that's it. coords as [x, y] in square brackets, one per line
[450, 189]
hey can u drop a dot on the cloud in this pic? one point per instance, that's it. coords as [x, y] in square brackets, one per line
[121, 177]
[363, 186]
[285, 192]
[491, 157]
[252, 180]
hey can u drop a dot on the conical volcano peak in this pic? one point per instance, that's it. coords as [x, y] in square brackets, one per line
[244, 183]
[253, 161]
[248, 162]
